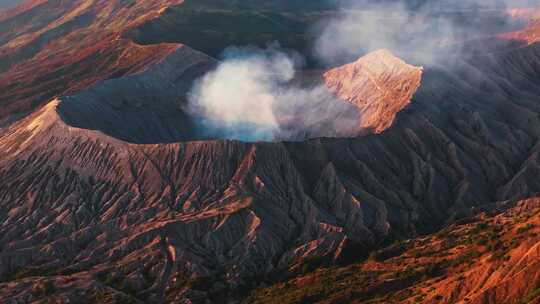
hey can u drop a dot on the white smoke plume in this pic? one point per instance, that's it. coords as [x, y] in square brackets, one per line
[429, 32]
[250, 95]
[391, 26]
[240, 94]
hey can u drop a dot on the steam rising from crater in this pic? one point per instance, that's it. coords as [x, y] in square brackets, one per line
[240, 94]
[252, 94]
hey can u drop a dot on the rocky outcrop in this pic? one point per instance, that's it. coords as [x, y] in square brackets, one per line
[379, 84]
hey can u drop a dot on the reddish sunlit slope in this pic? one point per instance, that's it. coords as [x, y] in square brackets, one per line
[48, 48]
[379, 84]
[531, 33]
[491, 258]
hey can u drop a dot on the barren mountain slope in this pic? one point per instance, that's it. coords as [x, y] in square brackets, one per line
[486, 259]
[92, 214]
[148, 107]
[102, 199]
[48, 48]
[379, 84]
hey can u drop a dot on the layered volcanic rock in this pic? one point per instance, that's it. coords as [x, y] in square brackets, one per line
[379, 84]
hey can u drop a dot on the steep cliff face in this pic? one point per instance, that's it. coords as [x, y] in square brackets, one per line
[379, 84]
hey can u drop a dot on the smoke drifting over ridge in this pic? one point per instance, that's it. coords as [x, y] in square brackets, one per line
[425, 32]
[249, 96]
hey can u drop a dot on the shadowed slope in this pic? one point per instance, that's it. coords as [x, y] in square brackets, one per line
[143, 108]
[115, 215]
